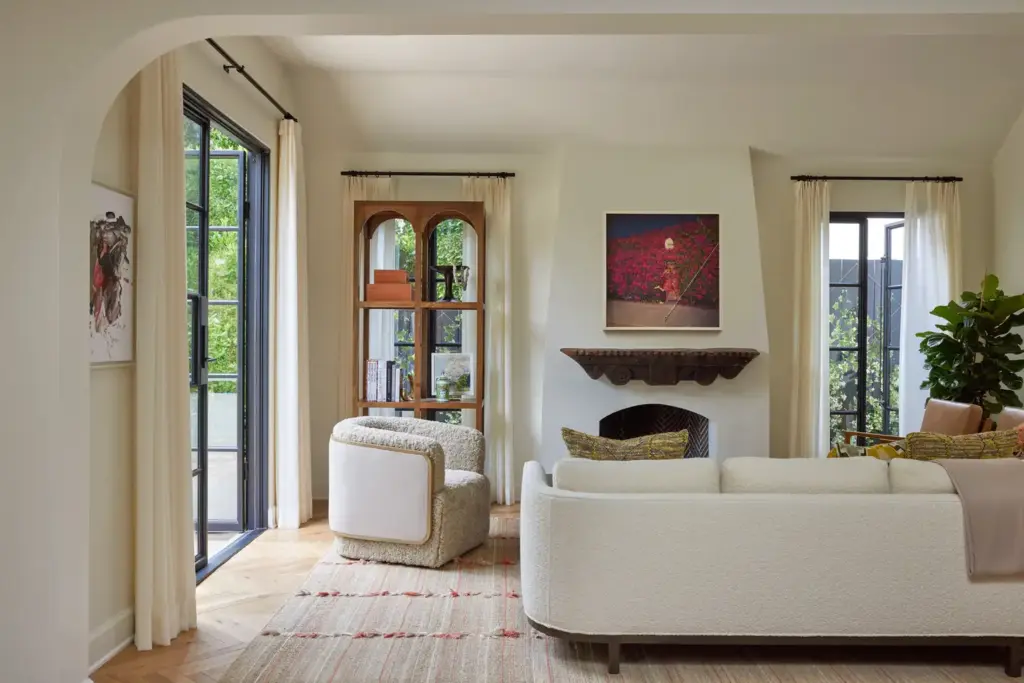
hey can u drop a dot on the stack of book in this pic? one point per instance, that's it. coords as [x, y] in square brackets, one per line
[383, 381]
[389, 285]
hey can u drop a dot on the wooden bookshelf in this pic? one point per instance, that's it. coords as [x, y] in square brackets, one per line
[424, 218]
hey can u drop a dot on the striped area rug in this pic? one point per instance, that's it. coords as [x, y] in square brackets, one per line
[356, 622]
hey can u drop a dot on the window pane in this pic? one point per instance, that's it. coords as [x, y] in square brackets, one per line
[405, 247]
[454, 245]
[223, 497]
[195, 512]
[222, 421]
[844, 303]
[894, 422]
[193, 399]
[447, 330]
[192, 134]
[896, 256]
[188, 342]
[838, 425]
[224, 265]
[844, 253]
[192, 250]
[842, 380]
[223, 338]
[224, 176]
[894, 379]
[452, 417]
[895, 315]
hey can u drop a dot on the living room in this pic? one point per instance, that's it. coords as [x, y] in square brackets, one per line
[570, 120]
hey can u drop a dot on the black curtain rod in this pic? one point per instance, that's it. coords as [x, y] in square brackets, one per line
[232, 64]
[905, 179]
[434, 174]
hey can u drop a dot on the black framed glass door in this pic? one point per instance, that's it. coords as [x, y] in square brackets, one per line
[226, 277]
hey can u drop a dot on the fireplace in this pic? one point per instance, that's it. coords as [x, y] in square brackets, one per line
[655, 418]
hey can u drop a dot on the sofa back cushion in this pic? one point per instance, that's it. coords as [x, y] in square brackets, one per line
[805, 475]
[918, 476]
[693, 475]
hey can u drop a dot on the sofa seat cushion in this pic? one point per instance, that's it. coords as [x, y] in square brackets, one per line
[918, 476]
[663, 446]
[805, 475]
[693, 475]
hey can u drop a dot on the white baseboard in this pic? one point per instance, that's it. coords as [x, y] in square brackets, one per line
[110, 637]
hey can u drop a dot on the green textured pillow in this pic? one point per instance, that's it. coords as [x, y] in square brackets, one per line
[666, 446]
[925, 446]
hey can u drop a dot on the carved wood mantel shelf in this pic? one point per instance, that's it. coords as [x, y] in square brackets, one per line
[662, 367]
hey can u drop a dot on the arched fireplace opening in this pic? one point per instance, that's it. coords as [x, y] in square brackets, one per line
[657, 418]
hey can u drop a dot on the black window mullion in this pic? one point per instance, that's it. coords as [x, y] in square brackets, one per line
[862, 328]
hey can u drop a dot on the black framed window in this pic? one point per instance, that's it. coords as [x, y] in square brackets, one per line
[865, 293]
[227, 281]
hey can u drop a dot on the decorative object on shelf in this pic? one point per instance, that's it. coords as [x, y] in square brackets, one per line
[974, 356]
[661, 271]
[392, 277]
[462, 277]
[457, 368]
[389, 291]
[112, 290]
[383, 381]
[662, 367]
[441, 387]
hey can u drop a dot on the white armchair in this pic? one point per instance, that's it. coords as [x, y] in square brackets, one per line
[407, 491]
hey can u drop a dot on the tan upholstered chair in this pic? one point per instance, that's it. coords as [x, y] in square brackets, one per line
[940, 417]
[407, 491]
[1010, 418]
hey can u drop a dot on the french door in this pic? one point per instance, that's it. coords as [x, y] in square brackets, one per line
[226, 280]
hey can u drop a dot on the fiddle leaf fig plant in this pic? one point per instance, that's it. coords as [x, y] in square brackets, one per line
[973, 355]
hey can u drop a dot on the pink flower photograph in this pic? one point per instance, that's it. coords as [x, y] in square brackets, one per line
[661, 271]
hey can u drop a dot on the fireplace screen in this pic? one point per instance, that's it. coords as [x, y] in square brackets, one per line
[656, 418]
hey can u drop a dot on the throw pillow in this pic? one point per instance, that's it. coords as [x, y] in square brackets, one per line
[653, 447]
[883, 451]
[925, 446]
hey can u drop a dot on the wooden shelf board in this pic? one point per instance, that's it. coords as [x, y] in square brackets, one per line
[426, 404]
[407, 405]
[388, 304]
[433, 305]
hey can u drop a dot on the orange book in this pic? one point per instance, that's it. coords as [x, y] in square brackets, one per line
[389, 277]
[389, 292]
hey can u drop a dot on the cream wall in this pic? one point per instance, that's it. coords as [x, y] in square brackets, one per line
[774, 193]
[1008, 238]
[112, 404]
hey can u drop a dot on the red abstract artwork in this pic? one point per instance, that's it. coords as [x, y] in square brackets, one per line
[662, 271]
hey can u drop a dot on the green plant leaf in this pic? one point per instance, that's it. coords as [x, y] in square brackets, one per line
[1008, 306]
[989, 287]
[952, 312]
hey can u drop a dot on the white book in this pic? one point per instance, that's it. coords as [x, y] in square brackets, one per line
[371, 380]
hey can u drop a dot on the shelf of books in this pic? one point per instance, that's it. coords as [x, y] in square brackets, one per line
[419, 310]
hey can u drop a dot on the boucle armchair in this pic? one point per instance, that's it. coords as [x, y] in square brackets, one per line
[407, 491]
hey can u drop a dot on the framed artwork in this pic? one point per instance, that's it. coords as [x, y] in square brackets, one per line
[661, 271]
[111, 277]
[457, 367]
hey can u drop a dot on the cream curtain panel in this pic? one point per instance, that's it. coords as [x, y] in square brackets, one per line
[931, 277]
[353, 190]
[496, 194]
[290, 485]
[809, 419]
[165, 579]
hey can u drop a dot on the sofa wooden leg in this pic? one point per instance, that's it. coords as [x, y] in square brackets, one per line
[614, 652]
[1015, 659]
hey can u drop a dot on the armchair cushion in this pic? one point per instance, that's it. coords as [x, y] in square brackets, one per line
[462, 447]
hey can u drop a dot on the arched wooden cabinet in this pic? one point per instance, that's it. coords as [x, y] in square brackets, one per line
[413, 331]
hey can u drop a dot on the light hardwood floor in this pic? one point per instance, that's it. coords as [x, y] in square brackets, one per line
[234, 604]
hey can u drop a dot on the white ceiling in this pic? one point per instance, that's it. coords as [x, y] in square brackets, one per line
[859, 95]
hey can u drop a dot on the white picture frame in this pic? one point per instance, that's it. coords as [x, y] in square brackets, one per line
[111, 277]
[440, 362]
[710, 320]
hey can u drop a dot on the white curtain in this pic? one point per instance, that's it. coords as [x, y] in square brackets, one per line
[382, 321]
[931, 277]
[165, 580]
[290, 485]
[496, 194]
[469, 318]
[809, 419]
[353, 190]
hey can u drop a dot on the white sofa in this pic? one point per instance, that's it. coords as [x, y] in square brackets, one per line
[754, 550]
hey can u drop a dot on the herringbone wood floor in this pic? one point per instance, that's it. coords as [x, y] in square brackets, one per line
[235, 603]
